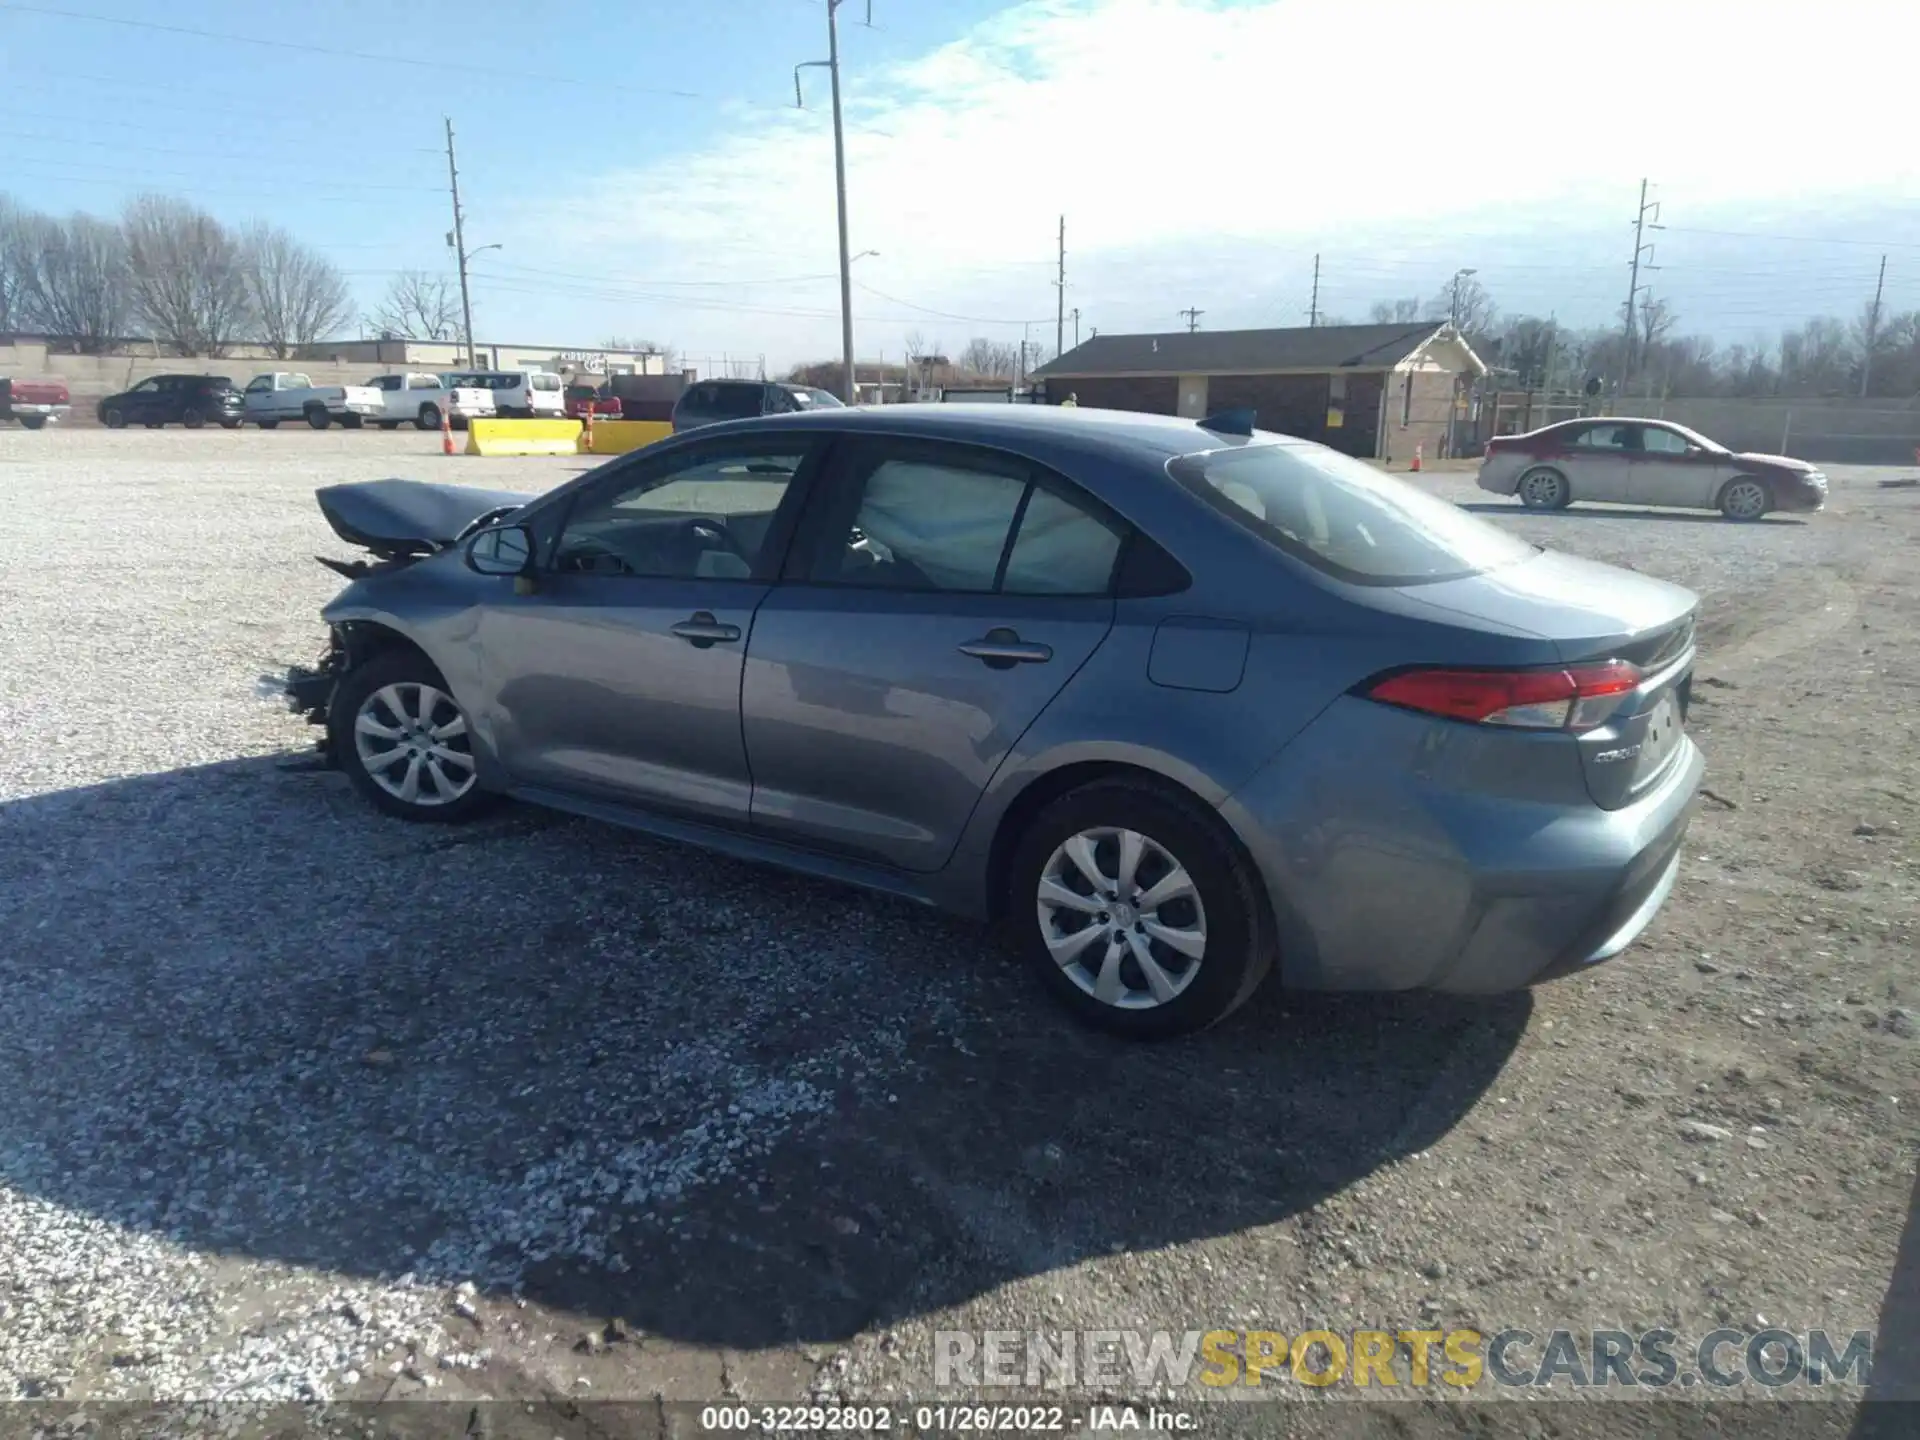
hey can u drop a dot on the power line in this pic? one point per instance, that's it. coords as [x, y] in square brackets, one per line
[169, 150]
[375, 57]
[1794, 239]
[941, 314]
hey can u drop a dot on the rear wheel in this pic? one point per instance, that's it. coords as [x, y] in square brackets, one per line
[1544, 488]
[428, 418]
[350, 422]
[1137, 911]
[1746, 497]
[318, 418]
[404, 742]
[268, 424]
[34, 422]
[192, 417]
[229, 424]
[389, 424]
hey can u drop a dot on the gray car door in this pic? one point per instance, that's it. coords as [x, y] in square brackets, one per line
[618, 677]
[1673, 470]
[1599, 462]
[939, 598]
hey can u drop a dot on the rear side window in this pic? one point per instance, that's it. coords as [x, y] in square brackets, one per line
[736, 402]
[546, 382]
[945, 518]
[1345, 518]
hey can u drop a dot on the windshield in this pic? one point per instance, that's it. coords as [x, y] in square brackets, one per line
[1344, 517]
[1698, 439]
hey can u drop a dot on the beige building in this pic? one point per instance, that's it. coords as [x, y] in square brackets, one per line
[451, 355]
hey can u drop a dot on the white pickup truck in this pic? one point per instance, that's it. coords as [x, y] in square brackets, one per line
[290, 395]
[420, 399]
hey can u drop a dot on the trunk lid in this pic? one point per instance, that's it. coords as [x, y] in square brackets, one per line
[1593, 612]
[398, 518]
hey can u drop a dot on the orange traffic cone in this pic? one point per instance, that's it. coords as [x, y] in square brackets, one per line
[1416, 458]
[446, 432]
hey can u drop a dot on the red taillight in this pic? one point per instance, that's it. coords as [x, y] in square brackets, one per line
[1577, 697]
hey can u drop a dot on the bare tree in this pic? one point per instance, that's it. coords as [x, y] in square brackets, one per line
[997, 359]
[16, 228]
[418, 306]
[298, 296]
[1395, 312]
[75, 282]
[1467, 304]
[189, 275]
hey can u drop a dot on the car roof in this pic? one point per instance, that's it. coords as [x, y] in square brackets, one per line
[1013, 426]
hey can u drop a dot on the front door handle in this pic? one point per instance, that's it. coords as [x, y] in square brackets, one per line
[1002, 649]
[701, 630]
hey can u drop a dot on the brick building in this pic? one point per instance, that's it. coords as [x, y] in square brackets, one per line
[1370, 390]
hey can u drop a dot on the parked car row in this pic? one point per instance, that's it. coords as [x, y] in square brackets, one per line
[418, 398]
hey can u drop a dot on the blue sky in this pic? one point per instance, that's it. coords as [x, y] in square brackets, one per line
[642, 164]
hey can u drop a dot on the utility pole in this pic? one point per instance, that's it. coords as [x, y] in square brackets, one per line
[832, 65]
[1640, 227]
[1873, 328]
[1193, 319]
[458, 240]
[1060, 299]
[1313, 305]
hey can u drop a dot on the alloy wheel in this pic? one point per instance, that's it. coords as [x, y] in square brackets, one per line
[411, 738]
[1122, 918]
[1541, 489]
[1745, 500]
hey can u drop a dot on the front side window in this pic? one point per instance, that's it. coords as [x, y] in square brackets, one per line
[385, 382]
[1343, 517]
[260, 385]
[1605, 437]
[146, 387]
[947, 519]
[704, 515]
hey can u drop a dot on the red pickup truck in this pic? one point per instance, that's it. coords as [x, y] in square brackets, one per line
[579, 399]
[33, 402]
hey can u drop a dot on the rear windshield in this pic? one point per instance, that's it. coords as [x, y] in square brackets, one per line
[1344, 517]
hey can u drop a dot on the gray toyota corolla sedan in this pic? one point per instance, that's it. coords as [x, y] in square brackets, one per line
[1178, 703]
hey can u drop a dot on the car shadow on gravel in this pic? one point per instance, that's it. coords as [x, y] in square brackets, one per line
[729, 1105]
[1622, 512]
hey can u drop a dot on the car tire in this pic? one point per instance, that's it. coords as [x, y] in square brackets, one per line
[318, 418]
[389, 424]
[387, 692]
[114, 418]
[192, 418]
[350, 422]
[1109, 981]
[1745, 498]
[428, 418]
[33, 422]
[1544, 488]
[268, 424]
[229, 424]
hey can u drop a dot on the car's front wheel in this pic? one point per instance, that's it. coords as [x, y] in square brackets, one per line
[428, 418]
[114, 418]
[1544, 488]
[1745, 498]
[404, 741]
[1137, 910]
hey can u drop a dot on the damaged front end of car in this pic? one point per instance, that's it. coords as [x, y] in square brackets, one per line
[400, 523]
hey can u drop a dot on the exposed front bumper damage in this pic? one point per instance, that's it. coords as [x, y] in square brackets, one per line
[307, 690]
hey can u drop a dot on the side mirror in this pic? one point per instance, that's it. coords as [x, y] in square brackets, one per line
[503, 550]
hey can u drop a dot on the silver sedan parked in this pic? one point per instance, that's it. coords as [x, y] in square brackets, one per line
[1645, 462]
[1179, 703]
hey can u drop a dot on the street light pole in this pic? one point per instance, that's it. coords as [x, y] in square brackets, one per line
[832, 66]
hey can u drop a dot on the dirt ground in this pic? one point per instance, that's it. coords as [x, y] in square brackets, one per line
[301, 1103]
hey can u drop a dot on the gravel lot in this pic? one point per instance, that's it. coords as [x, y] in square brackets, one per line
[303, 1103]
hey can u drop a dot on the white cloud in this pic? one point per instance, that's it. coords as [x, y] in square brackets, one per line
[1202, 151]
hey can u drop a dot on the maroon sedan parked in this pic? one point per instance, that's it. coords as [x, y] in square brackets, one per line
[1645, 462]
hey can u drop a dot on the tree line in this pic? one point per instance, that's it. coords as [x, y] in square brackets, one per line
[1876, 354]
[169, 269]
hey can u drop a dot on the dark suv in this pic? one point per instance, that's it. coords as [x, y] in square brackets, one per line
[189, 400]
[711, 401]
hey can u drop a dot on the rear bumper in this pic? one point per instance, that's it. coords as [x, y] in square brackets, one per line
[34, 407]
[1385, 874]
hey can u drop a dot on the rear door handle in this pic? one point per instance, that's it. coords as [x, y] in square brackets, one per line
[701, 630]
[1002, 649]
